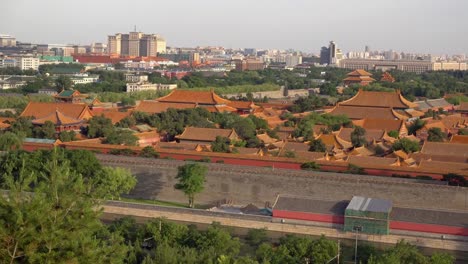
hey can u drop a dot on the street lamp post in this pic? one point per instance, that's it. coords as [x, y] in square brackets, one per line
[356, 229]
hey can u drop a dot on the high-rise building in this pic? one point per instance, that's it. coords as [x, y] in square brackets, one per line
[194, 58]
[333, 52]
[136, 44]
[324, 56]
[293, 60]
[7, 41]
[114, 44]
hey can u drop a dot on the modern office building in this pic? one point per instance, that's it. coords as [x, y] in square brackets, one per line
[7, 41]
[293, 60]
[417, 66]
[136, 44]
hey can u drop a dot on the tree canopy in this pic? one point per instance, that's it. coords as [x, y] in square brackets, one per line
[191, 180]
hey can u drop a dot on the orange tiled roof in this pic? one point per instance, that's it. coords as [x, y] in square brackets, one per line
[359, 112]
[359, 72]
[40, 110]
[219, 108]
[195, 97]
[366, 161]
[379, 99]
[205, 134]
[332, 141]
[58, 119]
[451, 149]
[371, 134]
[463, 106]
[358, 79]
[115, 116]
[265, 138]
[387, 77]
[382, 124]
[242, 105]
[152, 107]
[459, 139]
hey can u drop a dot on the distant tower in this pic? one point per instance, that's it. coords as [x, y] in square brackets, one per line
[367, 49]
[333, 50]
[324, 56]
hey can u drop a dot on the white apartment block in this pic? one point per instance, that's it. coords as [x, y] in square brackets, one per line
[84, 78]
[137, 87]
[26, 63]
[135, 78]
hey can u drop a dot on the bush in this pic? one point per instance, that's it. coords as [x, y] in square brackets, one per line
[123, 152]
[310, 166]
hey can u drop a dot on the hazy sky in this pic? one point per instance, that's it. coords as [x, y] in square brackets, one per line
[427, 26]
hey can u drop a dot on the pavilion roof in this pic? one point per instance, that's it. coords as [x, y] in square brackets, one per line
[379, 99]
[58, 119]
[194, 97]
[42, 109]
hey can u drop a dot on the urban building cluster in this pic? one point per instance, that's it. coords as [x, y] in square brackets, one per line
[136, 44]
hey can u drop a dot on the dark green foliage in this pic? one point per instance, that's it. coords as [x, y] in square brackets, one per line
[45, 131]
[128, 101]
[305, 104]
[463, 132]
[149, 152]
[305, 126]
[221, 144]
[123, 152]
[435, 134]
[415, 126]
[121, 137]
[63, 83]
[10, 141]
[99, 126]
[191, 180]
[393, 133]
[358, 137]
[310, 166]
[59, 224]
[406, 145]
[317, 145]
[22, 126]
[455, 179]
[290, 154]
[66, 136]
[255, 237]
[354, 169]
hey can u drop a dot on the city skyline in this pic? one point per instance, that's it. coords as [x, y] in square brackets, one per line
[417, 26]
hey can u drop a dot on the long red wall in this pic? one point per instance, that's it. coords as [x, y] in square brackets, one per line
[254, 161]
[335, 219]
[394, 225]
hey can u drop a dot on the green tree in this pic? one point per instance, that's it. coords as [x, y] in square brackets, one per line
[45, 131]
[63, 83]
[10, 141]
[435, 134]
[358, 137]
[58, 224]
[406, 145]
[455, 179]
[393, 133]
[317, 145]
[66, 136]
[415, 126]
[99, 126]
[22, 126]
[310, 166]
[111, 182]
[128, 101]
[191, 180]
[149, 152]
[121, 137]
[255, 237]
[221, 144]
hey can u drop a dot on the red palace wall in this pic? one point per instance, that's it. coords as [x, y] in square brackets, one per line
[254, 161]
[394, 225]
[438, 229]
[335, 219]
